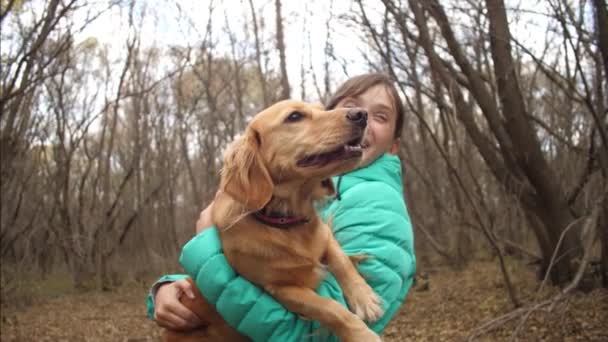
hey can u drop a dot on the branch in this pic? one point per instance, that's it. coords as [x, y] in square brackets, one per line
[550, 303]
[520, 248]
[436, 246]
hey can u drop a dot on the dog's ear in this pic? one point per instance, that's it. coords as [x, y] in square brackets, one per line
[244, 175]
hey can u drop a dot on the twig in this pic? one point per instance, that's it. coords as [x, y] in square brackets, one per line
[554, 256]
[589, 226]
[532, 255]
[550, 303]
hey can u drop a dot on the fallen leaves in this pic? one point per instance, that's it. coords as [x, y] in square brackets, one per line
[93, 316]
[453, 305]
[460, 301]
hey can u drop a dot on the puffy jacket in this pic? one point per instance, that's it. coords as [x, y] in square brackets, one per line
[368, 217]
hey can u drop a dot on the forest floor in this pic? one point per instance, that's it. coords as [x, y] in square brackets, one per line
[447, 306]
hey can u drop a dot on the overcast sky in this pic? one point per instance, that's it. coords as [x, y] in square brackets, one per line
[170, 22]
[166, 23]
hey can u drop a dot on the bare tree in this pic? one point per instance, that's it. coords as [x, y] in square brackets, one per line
[258, 54]
[601, 18]
[465, 73]
[285, 89]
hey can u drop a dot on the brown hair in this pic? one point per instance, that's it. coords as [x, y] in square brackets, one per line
[357, 85]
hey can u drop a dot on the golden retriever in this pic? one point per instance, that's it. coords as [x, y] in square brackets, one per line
[270, 232]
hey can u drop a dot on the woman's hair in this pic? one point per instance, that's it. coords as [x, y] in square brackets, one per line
[357, 85]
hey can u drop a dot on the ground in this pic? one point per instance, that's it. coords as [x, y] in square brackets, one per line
[449, 306]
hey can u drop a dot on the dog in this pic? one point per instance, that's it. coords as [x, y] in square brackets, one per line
[270, 232]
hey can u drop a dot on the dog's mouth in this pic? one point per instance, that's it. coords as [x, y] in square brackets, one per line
[352, 149]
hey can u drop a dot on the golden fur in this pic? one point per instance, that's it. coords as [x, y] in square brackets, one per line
[262, 171]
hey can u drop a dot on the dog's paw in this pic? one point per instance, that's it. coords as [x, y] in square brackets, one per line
[364, 302]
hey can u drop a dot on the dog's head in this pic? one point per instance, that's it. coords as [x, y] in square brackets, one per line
[291, 141]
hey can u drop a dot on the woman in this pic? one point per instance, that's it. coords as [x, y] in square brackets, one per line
[368, 216]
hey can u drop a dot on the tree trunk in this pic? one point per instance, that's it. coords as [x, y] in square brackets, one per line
[285, 90]
[258, 57]
[601, 22]
[552, 208]
[603, 232]
[520, 167]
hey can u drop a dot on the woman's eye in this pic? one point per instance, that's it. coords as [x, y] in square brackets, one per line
[381, 117]
[350, 105]
[294, 117]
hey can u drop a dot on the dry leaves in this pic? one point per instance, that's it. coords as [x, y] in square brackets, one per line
[458, 302]
[454, 304]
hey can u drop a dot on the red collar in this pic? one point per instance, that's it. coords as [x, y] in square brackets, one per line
[279, 221]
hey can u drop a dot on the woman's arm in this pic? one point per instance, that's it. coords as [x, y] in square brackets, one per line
[245, 306]
[380, 228]
[170, 303]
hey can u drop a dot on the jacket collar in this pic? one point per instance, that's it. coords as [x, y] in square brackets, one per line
[386, 169]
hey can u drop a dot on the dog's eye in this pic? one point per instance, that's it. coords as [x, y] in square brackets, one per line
[294, 117]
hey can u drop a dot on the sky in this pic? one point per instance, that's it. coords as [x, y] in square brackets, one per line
[166, 23]
[183, 22]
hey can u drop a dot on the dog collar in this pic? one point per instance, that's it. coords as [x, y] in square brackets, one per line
[279, 221]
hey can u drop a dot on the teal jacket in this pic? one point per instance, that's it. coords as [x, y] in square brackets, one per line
[368, 217]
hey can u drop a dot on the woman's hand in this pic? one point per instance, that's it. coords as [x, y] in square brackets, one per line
[169, 312]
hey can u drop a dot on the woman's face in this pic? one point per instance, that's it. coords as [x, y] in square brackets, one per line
[381, 121]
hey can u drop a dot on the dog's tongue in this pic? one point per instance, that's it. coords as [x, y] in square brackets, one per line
[318, 159]
[323, 159]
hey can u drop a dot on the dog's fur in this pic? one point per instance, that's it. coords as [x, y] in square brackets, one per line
[266, 169]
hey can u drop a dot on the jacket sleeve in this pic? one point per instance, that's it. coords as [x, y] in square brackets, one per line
[244, 305]
[256, 314]
[169, 278]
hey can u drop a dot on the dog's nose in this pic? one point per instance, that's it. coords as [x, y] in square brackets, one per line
[358, 116]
